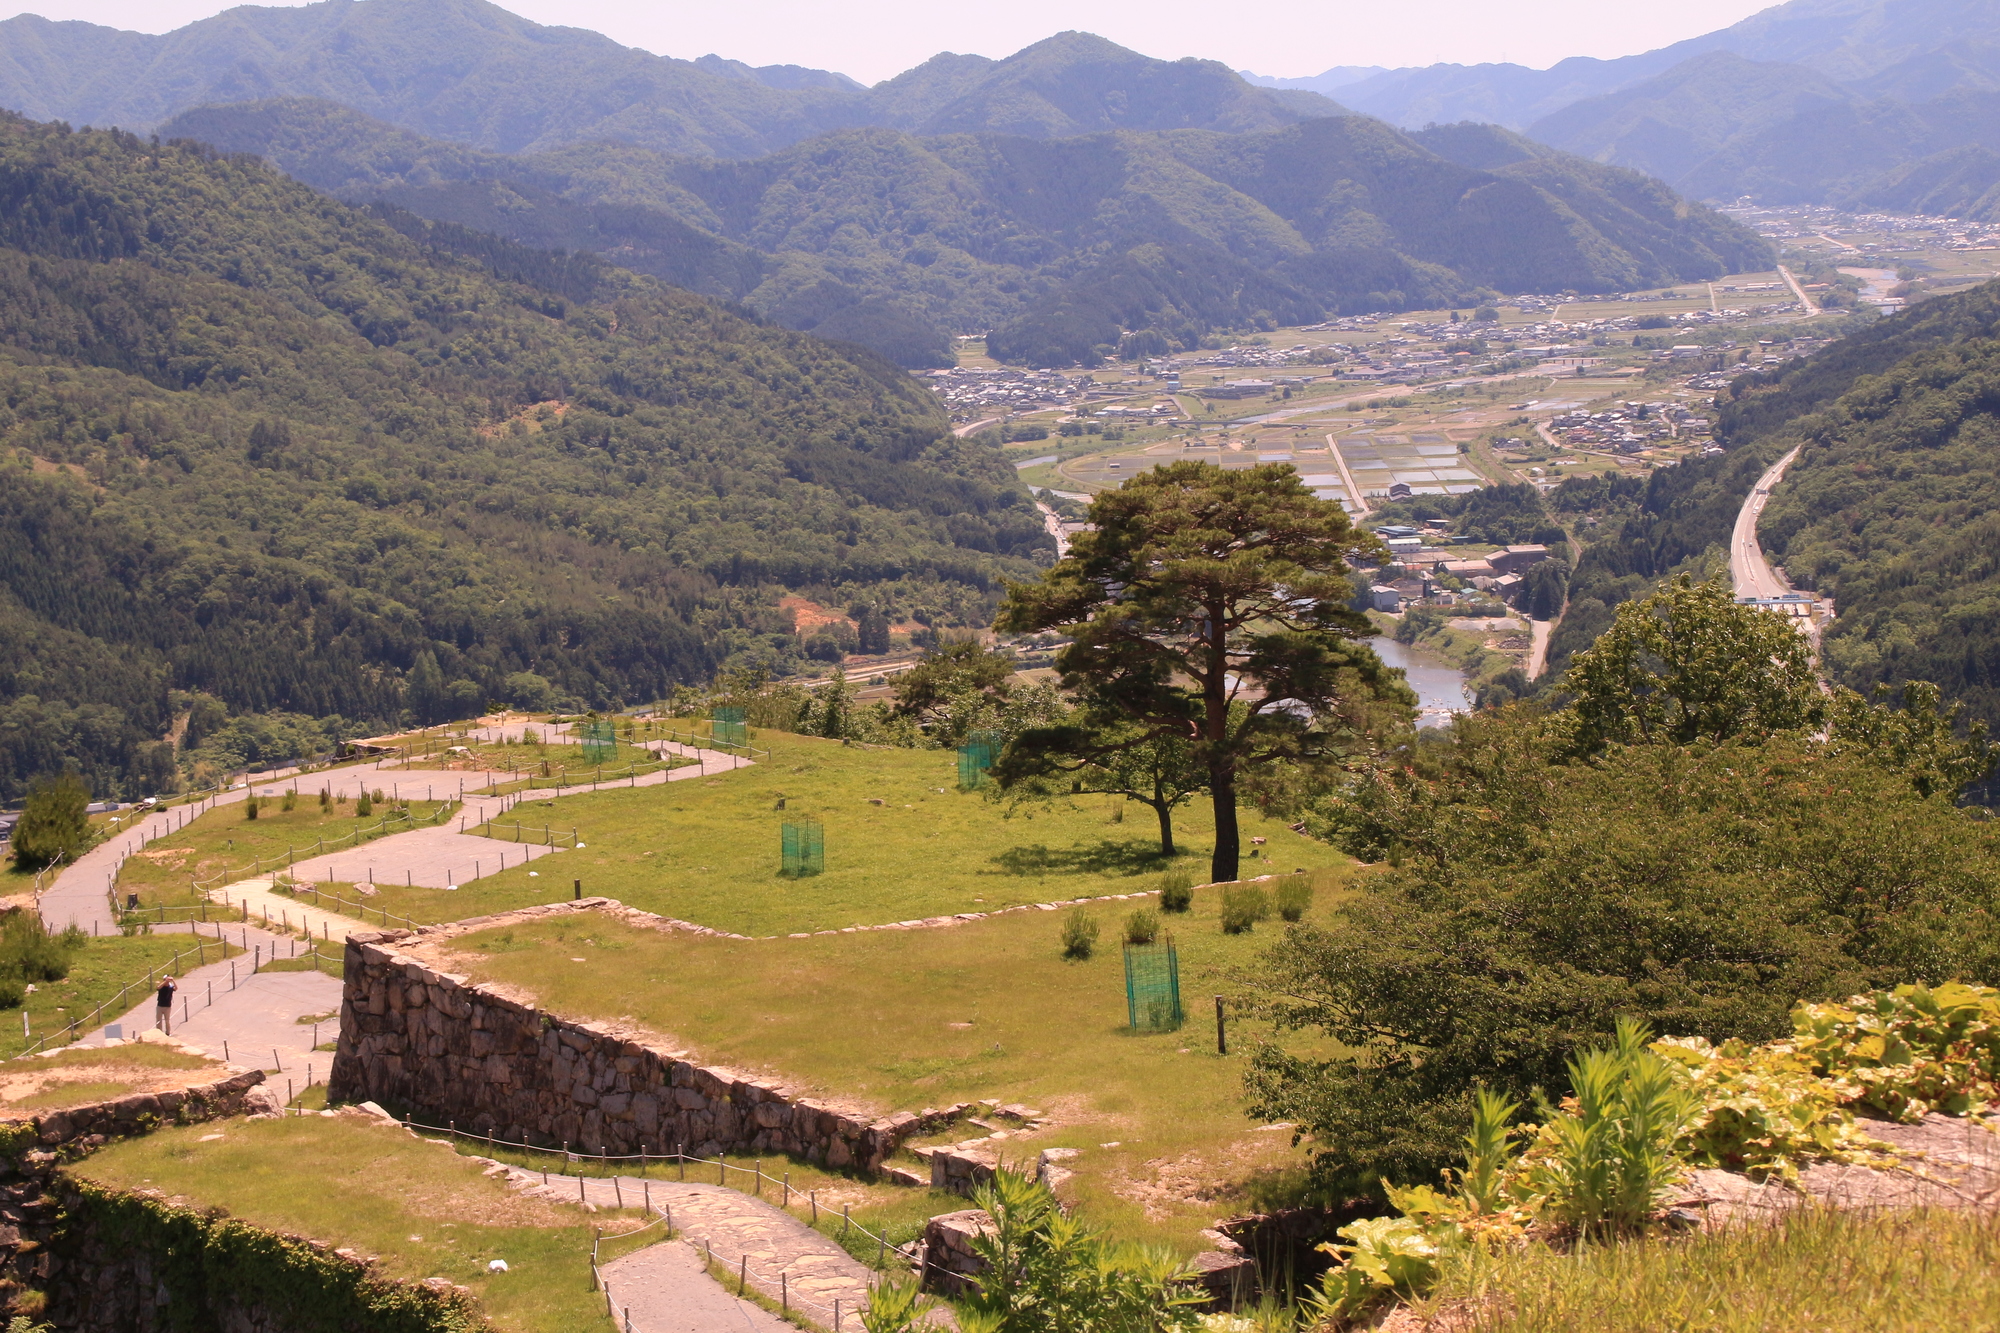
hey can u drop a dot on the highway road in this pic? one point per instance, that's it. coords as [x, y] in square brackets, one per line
[1748, 569]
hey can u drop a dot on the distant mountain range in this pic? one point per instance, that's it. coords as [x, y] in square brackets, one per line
[1886, 104]
[1072, 200]
[471, 72]
[1064, 249]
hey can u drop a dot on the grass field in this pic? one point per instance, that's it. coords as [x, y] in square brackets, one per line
[422, 1208]
[707, 849]
[226, 841]
[991, 1009]
[1817, 1271]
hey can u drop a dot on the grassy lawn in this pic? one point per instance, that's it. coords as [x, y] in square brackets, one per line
[226, 840]
[908, 1019]
[1883, 1272]
[422, 1208]
[98, 971]
[707, 849]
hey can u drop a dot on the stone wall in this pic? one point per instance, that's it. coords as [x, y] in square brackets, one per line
[414, 1037]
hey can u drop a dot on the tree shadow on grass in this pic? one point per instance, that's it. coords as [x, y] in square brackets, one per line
[1135, 856]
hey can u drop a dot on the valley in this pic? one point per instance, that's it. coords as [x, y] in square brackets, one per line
[647, 693]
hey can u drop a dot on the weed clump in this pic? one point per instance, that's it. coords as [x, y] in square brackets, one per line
[1176, 891]
[1079, 934]
[1142, 927]
[1243, 906]
[1294, 896]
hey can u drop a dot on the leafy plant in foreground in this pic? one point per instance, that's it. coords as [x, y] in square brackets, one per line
[1047, 1270]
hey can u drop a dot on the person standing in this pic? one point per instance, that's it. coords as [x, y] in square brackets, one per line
[163, 1015]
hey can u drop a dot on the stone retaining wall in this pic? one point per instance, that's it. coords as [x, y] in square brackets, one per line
[412, 1036]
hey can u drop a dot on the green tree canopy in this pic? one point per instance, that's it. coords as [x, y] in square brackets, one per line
[1690, 664]
[1532, 900]
[54, 824]
[1210, 606]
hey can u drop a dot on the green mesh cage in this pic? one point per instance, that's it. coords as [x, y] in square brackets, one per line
[600, 741]
[728, 727]
[981, 748]
[1153, 987]
[803, 847]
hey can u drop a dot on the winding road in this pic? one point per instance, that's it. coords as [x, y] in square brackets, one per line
[1748, 569]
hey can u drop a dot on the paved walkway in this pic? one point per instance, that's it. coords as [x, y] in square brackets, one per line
[250, 1018]
[786, 1258]
[282, 911]
[666, 1288]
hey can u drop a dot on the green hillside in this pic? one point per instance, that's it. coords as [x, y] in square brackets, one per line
[260, 446]
[1889, 509]
[1057, 246]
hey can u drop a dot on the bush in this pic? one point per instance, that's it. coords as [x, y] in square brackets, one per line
[1243, 906]
[291, 801]
[1294, 896]
[1142, 927]
[30, 954]
[1176, 891]
[363, 805]
[54, 824]
[1079, 934]
[250, 808]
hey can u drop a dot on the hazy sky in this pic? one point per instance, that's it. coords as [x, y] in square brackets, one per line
[873, 39]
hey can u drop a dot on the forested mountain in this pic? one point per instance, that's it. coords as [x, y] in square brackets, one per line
[1719, 126]
[1061, 248]
[1912, 49]
[261, 447]
[472, 73]
[1892, 507]
[1857, 103]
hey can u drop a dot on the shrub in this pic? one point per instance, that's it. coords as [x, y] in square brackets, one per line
[363, 806]
[291, 801]
[1079, 934]
[1142, 927]
[29, 953]
[54, 824]
[325, 797]
[250, 808]
[1243, 906]
[1294, 896]
[1176, 891]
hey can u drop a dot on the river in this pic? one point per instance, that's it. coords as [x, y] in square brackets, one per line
[1440, 688]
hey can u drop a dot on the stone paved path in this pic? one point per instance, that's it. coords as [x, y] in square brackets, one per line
[786, 1257]
[666, 1288]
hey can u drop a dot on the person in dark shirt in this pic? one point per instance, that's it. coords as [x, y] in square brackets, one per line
[164, 1015]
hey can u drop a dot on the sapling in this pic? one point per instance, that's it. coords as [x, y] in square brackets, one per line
[1142, 927]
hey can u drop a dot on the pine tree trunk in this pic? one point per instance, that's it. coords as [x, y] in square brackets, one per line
[1228, 843]
[1166, 813]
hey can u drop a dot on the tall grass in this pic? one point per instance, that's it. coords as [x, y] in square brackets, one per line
[1817, 1269]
